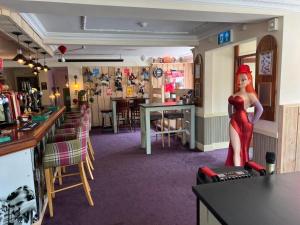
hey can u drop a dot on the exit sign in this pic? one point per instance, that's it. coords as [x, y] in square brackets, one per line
[225, 37]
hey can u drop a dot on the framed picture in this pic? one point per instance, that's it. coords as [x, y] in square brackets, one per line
[265, 93]
[197, 90]
[197, 71]
[265, 63]
[44, 85]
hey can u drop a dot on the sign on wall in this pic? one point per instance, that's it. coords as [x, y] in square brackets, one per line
[225, 37]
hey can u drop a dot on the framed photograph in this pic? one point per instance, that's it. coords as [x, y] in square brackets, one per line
[265, 93]
[197, 90]
[197, 71]
[265, 63]
[44, 85]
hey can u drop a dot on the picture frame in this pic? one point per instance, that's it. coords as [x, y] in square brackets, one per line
[197, 90]
[265, 93]
[265, 67]
[197, 71]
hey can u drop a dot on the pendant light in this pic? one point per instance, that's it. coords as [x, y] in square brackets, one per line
[30, 63]
[38, 66]
[20, 58]
[45, 67]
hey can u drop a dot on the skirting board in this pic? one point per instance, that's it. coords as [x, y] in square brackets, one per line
[211, 147]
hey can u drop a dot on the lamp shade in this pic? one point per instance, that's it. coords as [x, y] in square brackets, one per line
[20, 58]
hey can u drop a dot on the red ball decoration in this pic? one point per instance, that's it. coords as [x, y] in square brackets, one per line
[62, 49]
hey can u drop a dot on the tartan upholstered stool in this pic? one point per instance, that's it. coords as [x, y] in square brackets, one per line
[74, 123]
[66, 153]
[73, 132]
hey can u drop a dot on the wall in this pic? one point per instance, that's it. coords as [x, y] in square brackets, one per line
[218, 82]
[290, 79]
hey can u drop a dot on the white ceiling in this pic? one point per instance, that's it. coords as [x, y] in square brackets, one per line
[111, 27]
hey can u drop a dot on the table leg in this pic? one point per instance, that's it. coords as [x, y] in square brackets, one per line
[143, 128]
[148, 132]
[114, 111]
[192, 128]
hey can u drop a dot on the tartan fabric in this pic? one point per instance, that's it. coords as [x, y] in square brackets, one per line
[66, 130]
[62, 137]
[64, 153]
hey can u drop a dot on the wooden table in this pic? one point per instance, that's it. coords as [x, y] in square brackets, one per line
[266, 200]
[146, 109]
[114, 109]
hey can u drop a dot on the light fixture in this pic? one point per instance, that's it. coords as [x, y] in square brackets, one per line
[38, 66]
[29, 62]
[20, 58]
[35, 71]
[57, 93]
[76, 86]
[67, 81]
[45, 67]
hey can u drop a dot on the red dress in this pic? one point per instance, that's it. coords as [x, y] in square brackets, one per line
[239, 121]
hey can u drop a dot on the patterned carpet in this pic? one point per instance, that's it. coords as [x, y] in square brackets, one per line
[131, 188]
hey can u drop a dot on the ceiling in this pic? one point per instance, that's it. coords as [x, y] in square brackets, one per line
[159, 27]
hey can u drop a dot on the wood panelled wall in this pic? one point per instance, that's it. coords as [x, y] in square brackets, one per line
[157, 84]
[289, 138]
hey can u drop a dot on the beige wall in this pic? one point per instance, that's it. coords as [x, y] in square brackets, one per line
[290, 72]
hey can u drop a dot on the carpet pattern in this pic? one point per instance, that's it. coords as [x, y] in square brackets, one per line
[131, 188]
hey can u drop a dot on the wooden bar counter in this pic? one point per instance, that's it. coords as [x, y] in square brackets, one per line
[22, 172]
[28, 139]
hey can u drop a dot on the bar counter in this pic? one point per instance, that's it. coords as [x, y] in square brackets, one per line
[22, 172]
[28, 139]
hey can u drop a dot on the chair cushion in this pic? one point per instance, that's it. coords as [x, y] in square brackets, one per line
[155, 116]
[71, 130]
[64, 153]
[173, 115]
[62, 137]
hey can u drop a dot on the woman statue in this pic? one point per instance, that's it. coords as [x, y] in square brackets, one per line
[241, 123]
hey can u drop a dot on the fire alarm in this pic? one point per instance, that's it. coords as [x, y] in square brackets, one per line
[273, 24]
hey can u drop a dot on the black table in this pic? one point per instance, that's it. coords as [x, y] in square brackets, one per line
[269, 200]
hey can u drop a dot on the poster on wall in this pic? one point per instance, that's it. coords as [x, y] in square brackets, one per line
[265, 63]
[129, 91]
[265, 93]
[96, 72]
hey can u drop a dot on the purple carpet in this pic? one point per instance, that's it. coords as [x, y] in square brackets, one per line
[131, 188]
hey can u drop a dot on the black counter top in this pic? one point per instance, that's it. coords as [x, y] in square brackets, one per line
[269, 200]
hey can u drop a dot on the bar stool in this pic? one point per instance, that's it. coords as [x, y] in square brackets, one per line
[122, 108]
[66, 153]
[70, 129]
[173, 115]
[156, 117]
[104, 115]
[74, 122]
[135, 111]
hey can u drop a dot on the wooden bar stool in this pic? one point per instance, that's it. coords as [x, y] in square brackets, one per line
[62, 154]
[123, 109]
[173, 115]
